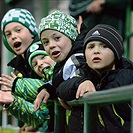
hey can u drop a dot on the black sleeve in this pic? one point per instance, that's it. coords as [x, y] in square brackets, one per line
[67, 89]
[51, 90]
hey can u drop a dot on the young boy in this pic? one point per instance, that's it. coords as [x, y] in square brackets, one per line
[27, 88]
[59, 35]
[105, 66]
[19, 31]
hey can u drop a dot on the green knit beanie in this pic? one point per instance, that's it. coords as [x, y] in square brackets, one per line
[34, 50]
[21, 16]
[38, 49]
[61, 22]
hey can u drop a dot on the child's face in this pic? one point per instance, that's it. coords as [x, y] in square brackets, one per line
[18, 37]
[41, 62]
[99, 57]
[56, 44]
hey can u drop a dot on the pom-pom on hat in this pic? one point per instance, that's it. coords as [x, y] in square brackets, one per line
[61, 22]
[107, 34]
[34, 50]
[21, 16]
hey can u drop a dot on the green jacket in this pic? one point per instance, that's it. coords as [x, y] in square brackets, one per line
[24, 111]
[25, 91]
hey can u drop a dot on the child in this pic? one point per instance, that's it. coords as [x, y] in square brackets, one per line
[19, 31]
[27, 88]
[59, 35]
[108, 69]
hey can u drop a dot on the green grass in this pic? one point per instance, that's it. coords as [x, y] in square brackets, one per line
[7, 130]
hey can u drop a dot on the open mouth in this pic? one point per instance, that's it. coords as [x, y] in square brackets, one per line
[96, 59]
[17, 44]
[55, 54]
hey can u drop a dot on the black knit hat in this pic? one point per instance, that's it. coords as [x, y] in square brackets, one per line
[107, 34]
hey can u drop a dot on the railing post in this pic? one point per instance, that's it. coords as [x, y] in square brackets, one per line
[60, 118]
[132, 113]
[90, 115]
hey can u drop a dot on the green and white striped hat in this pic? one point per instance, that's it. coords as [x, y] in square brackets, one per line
[61, 22]
[21, 16]
[34, 50]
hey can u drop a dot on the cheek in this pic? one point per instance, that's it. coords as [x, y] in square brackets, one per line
[46, 49]
[9, 41]
[87, 55]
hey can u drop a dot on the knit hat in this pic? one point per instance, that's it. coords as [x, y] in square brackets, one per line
[61, 22]
[107, 34]
[34, 50]
[21, 16]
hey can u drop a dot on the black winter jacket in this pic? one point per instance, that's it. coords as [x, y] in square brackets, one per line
[65, 78]
[116, 117]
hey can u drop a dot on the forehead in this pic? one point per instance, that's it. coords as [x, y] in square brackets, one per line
[95, 42]
[49, 33]
[12, 25]
[35, 58]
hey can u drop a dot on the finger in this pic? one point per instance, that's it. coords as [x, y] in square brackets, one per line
[79, 23]
[5, 88]
[13, 75]
[3, 83]
[6, 84]
[77, 94]
[7, 77]
[46, 98]
[36, 106]
[80, 19]
[4, 79]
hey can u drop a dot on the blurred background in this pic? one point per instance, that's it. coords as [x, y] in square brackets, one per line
[40, 9]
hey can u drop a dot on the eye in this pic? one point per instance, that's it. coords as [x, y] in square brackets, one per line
[57, 38]
[103, 46]
[34, 65]
[90, 46]
[8, 35]
[45, 43]
[43, 56]
[18, 30]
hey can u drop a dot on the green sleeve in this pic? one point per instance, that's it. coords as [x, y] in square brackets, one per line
[24, 111]
[27, 88]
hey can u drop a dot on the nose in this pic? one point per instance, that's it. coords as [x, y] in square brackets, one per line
[39, 63]
[96, 50]
[52, 44]
[14, 36]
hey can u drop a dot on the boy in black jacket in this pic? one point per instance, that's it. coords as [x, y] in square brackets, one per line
[107, 69]
[59, 35]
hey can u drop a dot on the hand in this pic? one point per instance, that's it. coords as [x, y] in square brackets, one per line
[6, 97]
[79, 23]
[95, 6]
[42, 96]
[84, 87]
[64, 104]
[5, 88]
[7, 80]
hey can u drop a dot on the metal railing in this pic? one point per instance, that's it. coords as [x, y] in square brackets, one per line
[90, 102]
[128, 32]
